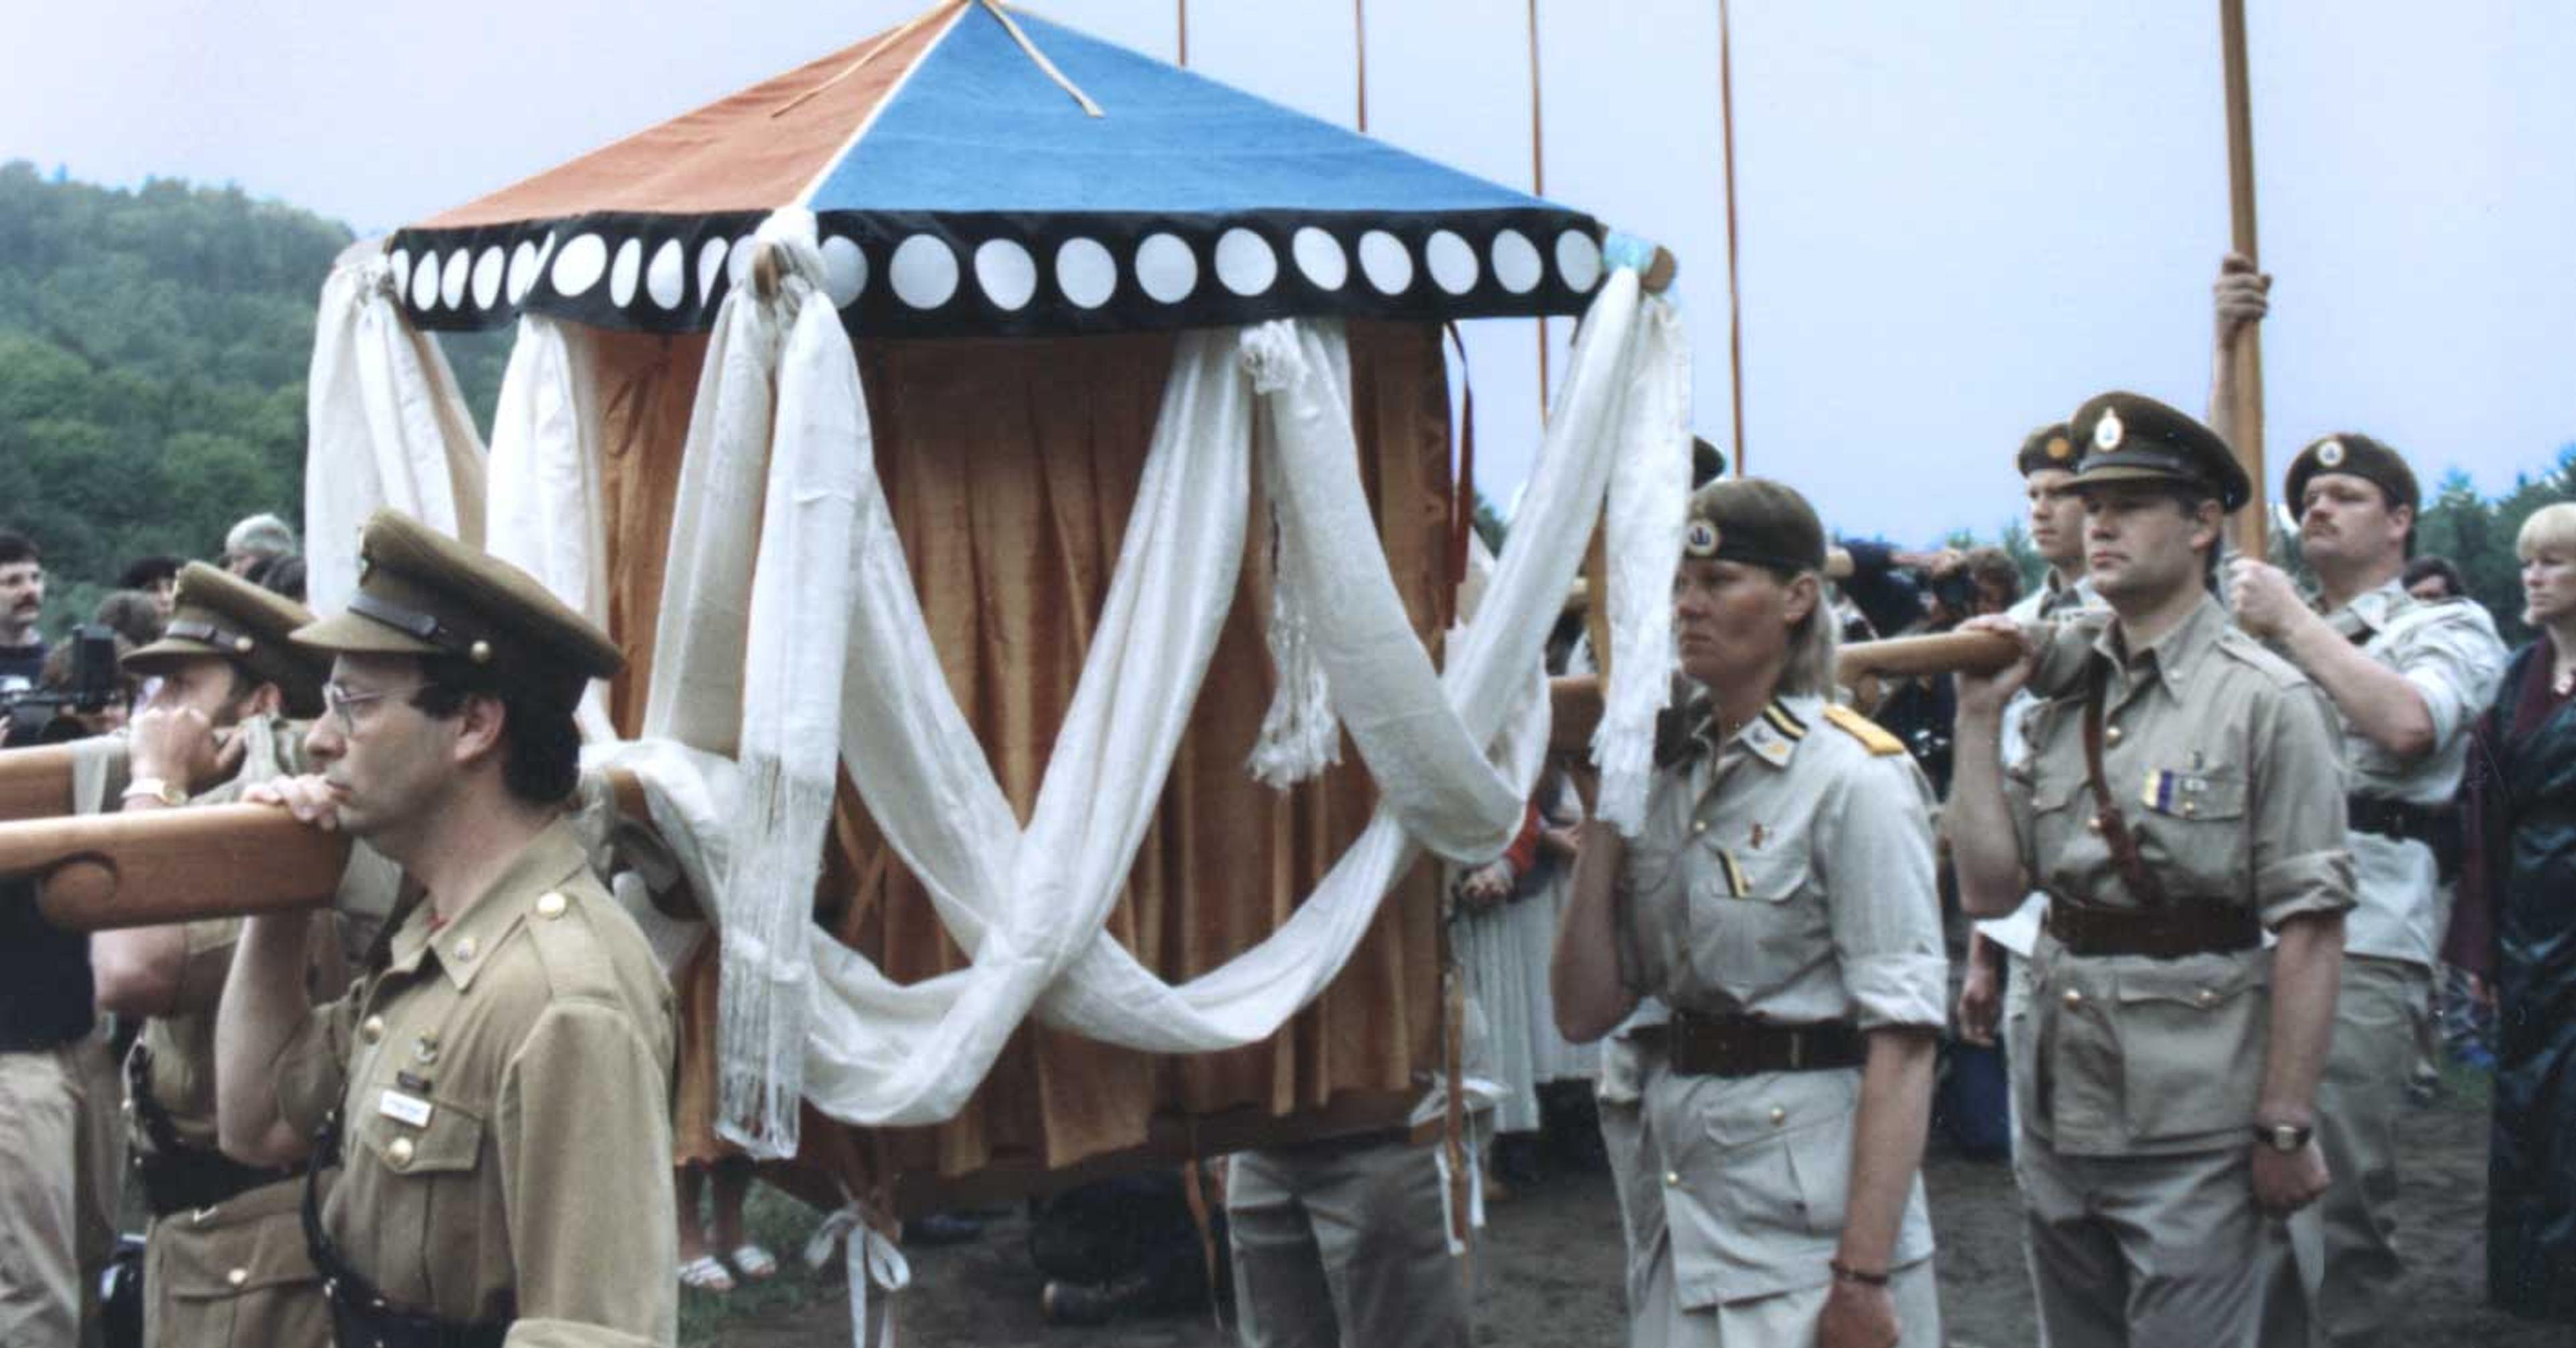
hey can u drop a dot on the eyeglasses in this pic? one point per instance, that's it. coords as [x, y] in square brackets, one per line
[339, 700]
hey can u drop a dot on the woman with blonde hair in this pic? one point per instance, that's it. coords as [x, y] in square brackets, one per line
[1779, 899]
[2517, 917]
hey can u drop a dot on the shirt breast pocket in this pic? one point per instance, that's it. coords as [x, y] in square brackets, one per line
[445, 1140]
[1748, 928]
[2191, 1044]
[2191, 830]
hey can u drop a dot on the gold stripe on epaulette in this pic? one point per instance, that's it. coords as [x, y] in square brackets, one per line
[1871, 734]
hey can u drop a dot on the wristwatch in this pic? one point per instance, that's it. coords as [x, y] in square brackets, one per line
[2283, 1136]
[166, 792]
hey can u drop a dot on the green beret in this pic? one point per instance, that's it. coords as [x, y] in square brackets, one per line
[2051, 446]
[1757, 522]
[218, 613]
[2126, 437]
[423, 593]
[2362, 457]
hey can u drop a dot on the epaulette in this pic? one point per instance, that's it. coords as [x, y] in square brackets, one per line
[1871, 734]
[568, 945]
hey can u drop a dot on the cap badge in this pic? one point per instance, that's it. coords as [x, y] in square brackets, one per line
[2108, 431]
[1700, 539]
[2059, 450]
[480, 652]
[242, 645]
[2330, 453]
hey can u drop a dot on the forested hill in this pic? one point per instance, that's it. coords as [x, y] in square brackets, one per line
[153, 348]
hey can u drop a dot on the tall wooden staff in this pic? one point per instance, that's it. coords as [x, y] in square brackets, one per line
[2253, 525]
[1734, 292]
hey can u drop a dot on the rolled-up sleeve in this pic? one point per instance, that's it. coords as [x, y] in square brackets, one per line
[584, 1140]
[2454, 663]
[2302, 853]
[1875, 855]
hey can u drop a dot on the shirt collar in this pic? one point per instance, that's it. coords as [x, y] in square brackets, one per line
[1774, 735]
[2172, 656]
[2371, 610]
[467, 943]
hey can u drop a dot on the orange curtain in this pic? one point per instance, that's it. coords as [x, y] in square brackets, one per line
[1011, 466]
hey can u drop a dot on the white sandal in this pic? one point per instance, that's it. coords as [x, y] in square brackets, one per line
[753, 1262]
[706, 1273]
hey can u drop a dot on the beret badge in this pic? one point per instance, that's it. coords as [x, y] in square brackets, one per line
[2330, 454]
[1700, 539]
[2059, 450]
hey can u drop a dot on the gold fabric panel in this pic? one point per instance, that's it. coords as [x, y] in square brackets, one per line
[1011, 466]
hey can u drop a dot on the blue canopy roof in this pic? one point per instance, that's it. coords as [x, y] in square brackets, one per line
[964, 188]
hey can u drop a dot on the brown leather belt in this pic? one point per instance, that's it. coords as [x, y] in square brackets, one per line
[2184, 929]
[1697, 1045]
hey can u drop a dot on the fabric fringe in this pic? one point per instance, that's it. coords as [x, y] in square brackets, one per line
[1300, 736]
[1649, 494]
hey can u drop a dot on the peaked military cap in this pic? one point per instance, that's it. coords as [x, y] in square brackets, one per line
[1755, 521]
[421, 592]
[2357, 454]
[2127, 437]
[218, 613]
[2051, 446]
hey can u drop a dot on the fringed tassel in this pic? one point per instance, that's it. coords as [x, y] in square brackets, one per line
[765, 972]
[1648, 488]
[1300, 736]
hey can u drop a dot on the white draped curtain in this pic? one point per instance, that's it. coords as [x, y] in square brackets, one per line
[788, 652]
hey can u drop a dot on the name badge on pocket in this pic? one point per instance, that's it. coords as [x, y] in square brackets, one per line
[401, 1108]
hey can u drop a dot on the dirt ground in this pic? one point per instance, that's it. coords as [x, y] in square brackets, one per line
[1549, 1267]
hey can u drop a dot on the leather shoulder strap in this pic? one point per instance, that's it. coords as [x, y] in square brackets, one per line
[2141, 881]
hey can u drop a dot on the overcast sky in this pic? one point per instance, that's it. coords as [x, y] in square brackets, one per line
[1957, 221]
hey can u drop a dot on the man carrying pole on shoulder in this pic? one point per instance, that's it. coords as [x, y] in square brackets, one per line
[2180, 794]
[495, 1090]
[2406, 679]
[224, 1261]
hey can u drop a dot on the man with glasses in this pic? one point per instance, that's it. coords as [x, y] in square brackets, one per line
[495, 1089]
[224, 1260]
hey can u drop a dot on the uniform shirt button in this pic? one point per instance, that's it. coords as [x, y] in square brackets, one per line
[2111, 735]
[1699, 826]
[398, 1152]
[1672, 1179]
[550, 904]
[465, 948]
[373, 1028]
[2074, 998]
[1778, 1116]
[2094, 823]
[2207, 997]
[238, 1277]
[2190, 808]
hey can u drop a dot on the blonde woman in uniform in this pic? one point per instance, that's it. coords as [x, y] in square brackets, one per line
[1780, 899]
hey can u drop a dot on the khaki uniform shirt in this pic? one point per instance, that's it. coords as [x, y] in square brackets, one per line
[1787, 874]
[2450, 653]
[2223, 759]
[504, 1088]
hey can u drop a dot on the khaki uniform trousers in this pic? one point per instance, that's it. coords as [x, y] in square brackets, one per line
[61, 1151]
[1781, 1320]
[2145, 1251]
[236, 1275]
[2341, 1281]
[1634, 1172]
[1342, 1246]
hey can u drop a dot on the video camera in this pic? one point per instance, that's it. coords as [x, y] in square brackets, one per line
[44, 715]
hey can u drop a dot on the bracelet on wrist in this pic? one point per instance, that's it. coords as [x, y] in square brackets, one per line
[1865, 1277]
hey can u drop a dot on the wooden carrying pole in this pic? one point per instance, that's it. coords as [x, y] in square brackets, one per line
[99, 871]
[2253, 524]
[1575, 699]
[94, 872]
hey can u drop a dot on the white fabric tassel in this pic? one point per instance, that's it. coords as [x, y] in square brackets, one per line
[800, 604]
[1299, 734]
[1649, 497]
